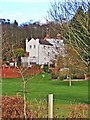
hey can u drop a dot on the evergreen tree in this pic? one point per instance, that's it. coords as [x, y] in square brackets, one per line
[79, 33]
[15, 23]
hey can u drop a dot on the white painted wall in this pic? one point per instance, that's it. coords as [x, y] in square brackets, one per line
[43, 54]
[31, 47]
[40, 53]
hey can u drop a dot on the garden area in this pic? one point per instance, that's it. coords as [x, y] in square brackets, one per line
[26, 84]
[69, 101]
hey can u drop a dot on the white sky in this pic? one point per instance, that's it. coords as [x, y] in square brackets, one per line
[24, 10]
[26, 1]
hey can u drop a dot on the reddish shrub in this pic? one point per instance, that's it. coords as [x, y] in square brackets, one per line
[13, 107]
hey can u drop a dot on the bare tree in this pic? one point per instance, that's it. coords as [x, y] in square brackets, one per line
[10, 43]
[73, 19]
[25, 78]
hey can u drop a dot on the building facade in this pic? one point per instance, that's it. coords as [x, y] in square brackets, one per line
[42, 51]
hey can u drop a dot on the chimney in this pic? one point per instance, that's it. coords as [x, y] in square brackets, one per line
[26, 40]
[58, 36]
[47, 37]
[26, 44]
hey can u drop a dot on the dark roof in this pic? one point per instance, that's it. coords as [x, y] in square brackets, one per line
[45, 42]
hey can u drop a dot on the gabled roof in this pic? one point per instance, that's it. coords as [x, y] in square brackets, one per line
[44, 42]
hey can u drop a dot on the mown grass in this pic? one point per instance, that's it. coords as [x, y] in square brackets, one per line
[39, 87]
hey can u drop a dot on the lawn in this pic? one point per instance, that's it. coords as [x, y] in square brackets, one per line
[39, 87]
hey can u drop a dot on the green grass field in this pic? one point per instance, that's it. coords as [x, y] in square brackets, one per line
[66, 98]
[39, 88]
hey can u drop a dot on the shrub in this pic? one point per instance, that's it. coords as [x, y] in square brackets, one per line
[54, 76]
[19, 52]
[79, 112]
[45, 68]
[63, 73]
[13, 107]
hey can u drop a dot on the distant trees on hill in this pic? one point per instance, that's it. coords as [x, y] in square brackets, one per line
[14, 35]
[7, 22]
[4, 21]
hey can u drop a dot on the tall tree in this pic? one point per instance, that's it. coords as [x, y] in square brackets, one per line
[73, 18]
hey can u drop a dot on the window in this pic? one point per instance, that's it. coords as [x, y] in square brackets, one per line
[30, 46]
[34, 46]
[57, 41]
[57, 48]
[56, 56]
[48, 53]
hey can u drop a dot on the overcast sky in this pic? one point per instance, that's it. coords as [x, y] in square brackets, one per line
[24, 10]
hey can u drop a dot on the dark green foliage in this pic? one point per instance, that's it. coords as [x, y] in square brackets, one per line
[46, 68]
[15, 24]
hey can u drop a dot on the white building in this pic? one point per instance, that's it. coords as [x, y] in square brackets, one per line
[43, 51]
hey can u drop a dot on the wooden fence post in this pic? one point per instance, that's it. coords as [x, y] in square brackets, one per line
[70, 82]
[50, 106]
